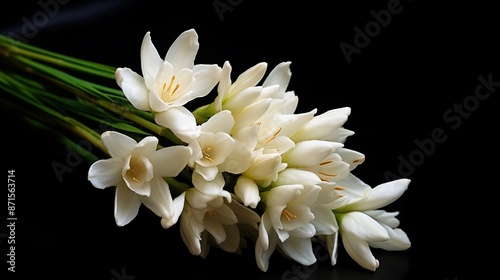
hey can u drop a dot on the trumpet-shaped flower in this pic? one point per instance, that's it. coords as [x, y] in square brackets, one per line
[364, 225]
[137, 169]
[215, 151]
[326, 126]
[319, 157]
[168, 84]
[275, 87]
[287, 223]
[213, 217]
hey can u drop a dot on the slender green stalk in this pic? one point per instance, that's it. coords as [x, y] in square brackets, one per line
[13, 47]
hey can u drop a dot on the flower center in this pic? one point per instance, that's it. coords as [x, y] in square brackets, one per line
[206, 154]
[169, 91]
[132, 173]
[288, 215]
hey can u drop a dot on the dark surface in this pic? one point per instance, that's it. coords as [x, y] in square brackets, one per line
[423, 63]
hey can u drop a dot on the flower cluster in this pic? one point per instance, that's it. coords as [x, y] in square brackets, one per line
[246, 165]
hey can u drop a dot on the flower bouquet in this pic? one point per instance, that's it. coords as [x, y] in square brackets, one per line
[243, 170]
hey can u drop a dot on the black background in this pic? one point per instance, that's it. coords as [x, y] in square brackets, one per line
[422, 64]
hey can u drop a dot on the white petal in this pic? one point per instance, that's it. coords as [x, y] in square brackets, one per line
[106, 173]
[297, 176]
[180, 121]
[251, 113]
[150, 60]
[248, 191]
[264, 166]
[359, 251]
[353, 158]
[160, 199]
[213, 187]
[138, 177]
[321, 127]
[183, 50]
[300, 250]
[232, 242]
[308, 153]
[191, 232]
[281, 195]
[169, 161]
[207, 172]
[220, 122]
[246, 216]
[304, 232]
[382, 195]
[119, 145]
[242, 99]
[363, 227]
[324, 221]
[163, 78]
[223, 86]
[146, 147]
[215, 228]
[398, 240]
[207, 76]
[353, 187]
[126, 205]
[280, 75]
[332, 245]
[177, 206]
[249, 78]
[134, 88]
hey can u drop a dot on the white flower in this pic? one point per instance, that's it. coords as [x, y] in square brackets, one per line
[319, 157]
[364, 225]
[137, 171]
[326, 126]
[243, 92]
[213, 217]
[287, 223]
[168, 84]
[215, 151]
[275, 87]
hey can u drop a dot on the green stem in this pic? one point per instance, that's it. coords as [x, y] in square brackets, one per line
[13, 47]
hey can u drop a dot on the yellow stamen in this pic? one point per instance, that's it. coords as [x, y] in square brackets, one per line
[288, 215]
[327, 174]
[133, 176]
[338, 188]
[326, 162]
[170, 85]
[274, 135]
[176, 87]
[206, 154]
